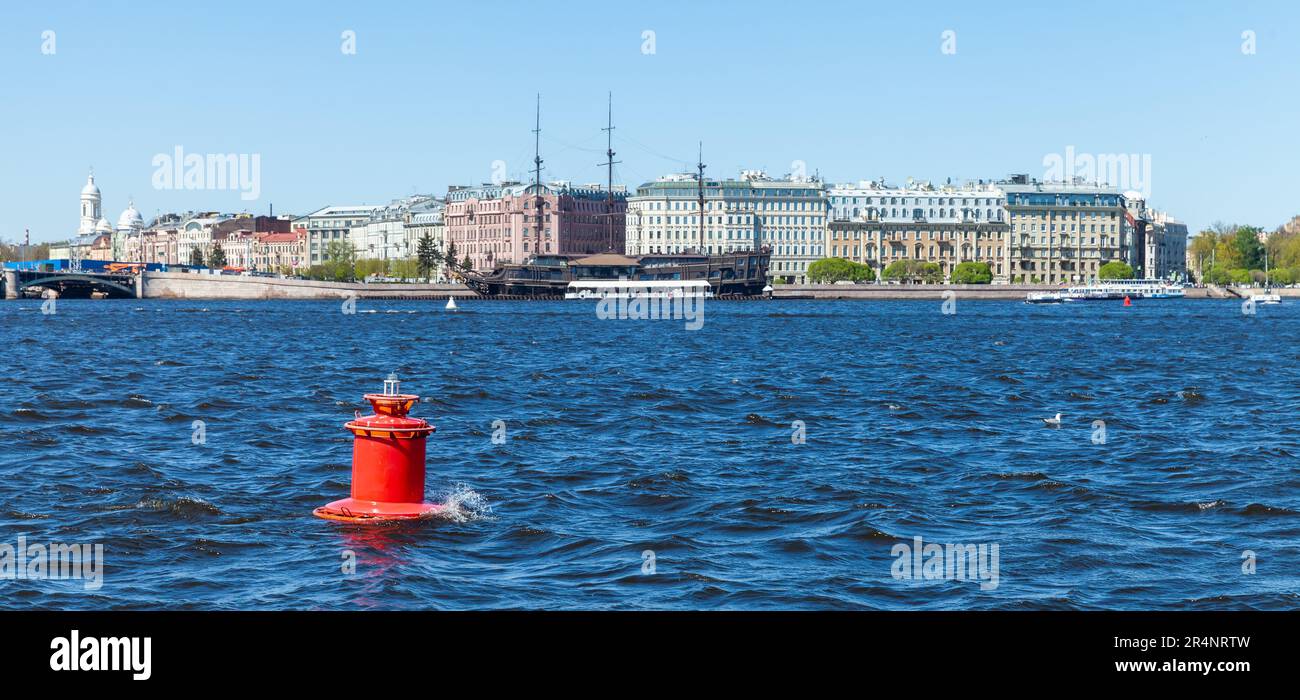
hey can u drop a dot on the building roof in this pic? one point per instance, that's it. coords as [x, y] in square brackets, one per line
[606, 260]
[279, 238]
[511, 188]
[755, 181]
[359, 210]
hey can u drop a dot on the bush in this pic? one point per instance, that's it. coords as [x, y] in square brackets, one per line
[1217, 275]
[1116, 270]
[1239, 275]
[831, 270]
[972, 273]
[914, 271]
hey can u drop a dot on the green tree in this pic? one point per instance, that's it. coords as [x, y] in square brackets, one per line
[196, 257]
[831, 270]
[340, 262]
[1218, 274]
[216, 257]
[449, 257]
[426, 255]
[899, 271]
[406, 268]
[372, 266]
[1116, 270]
[914, 271]
[1250, 252]
[1239, 275]
[467, 264]
[972, 273]
[931, 273]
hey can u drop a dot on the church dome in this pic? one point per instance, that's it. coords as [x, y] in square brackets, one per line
[102, 226]
[130, 218]
[91, 189]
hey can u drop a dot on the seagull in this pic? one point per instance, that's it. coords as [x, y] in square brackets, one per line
[1053, 422]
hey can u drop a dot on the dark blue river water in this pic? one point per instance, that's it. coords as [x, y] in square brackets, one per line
[648, 466]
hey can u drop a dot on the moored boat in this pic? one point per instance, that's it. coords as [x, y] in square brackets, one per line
[739, 274]
[643, 289]
[1111, 290]
[1045, 298]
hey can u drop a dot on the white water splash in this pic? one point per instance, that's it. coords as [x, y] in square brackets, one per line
[462, 504]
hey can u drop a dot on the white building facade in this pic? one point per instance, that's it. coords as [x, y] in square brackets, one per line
[324, 226]
[917, 202]
[197, 234]
[385, 235]
[787, 216]
[428, 220]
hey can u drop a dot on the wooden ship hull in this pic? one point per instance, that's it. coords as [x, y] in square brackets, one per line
[740, 274]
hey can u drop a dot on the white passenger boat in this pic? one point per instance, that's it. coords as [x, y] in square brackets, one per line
[1045, 298]
[642, 289]
[1106, 290]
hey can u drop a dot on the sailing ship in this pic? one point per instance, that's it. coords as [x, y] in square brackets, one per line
[734, 274]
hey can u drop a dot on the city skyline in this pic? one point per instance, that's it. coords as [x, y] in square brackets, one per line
[868, 97]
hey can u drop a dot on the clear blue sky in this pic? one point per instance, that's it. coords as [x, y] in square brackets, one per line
[438, 91]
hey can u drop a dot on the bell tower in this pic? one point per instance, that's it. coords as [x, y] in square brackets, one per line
[90, 205]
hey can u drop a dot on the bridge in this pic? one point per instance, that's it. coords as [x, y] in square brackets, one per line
[71, 284]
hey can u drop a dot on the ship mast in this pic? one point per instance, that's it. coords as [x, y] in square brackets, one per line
[537, 176]
[699, 165]
[609, 163]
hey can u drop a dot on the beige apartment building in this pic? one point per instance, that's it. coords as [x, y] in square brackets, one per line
[1064, 232]
[879, 243]
[877, 224]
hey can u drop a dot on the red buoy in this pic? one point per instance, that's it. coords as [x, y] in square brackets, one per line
[387, 462]
[1126, 301]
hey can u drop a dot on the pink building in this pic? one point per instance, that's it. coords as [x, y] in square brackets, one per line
[498, 223]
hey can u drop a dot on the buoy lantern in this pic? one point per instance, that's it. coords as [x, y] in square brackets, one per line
[387, 462]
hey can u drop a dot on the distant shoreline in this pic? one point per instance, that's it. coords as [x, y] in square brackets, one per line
[188, 286]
